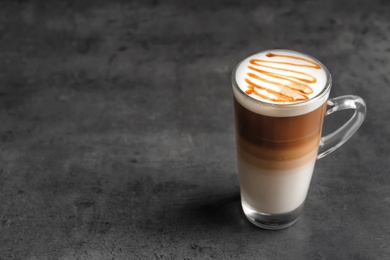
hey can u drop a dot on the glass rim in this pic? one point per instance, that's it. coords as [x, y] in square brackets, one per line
[317, 97]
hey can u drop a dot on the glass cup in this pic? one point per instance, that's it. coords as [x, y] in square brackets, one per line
[276, 154]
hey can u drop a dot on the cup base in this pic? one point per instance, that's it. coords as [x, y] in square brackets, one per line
[271, 221]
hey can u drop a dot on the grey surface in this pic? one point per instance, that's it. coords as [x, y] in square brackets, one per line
[117, 138]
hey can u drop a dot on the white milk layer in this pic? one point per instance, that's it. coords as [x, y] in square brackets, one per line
[275, 191]
[288, 74]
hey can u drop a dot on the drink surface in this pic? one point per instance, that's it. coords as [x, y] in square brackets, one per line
[280, 77]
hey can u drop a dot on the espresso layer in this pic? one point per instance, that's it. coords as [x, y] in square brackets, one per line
[278, 138]
[260, 158]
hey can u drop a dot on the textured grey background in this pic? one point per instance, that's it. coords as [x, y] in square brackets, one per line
[117, 138]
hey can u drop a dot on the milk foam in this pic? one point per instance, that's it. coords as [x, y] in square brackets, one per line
[281, 71]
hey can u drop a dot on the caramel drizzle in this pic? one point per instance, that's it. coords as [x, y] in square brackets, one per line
[295, 90]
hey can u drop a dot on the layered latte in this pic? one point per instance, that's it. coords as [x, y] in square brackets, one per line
[279, 112]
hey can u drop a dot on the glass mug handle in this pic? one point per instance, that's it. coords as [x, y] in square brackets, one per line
[337, 138]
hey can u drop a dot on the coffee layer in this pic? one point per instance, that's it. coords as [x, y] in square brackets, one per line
[268, 159]
[278, 138]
